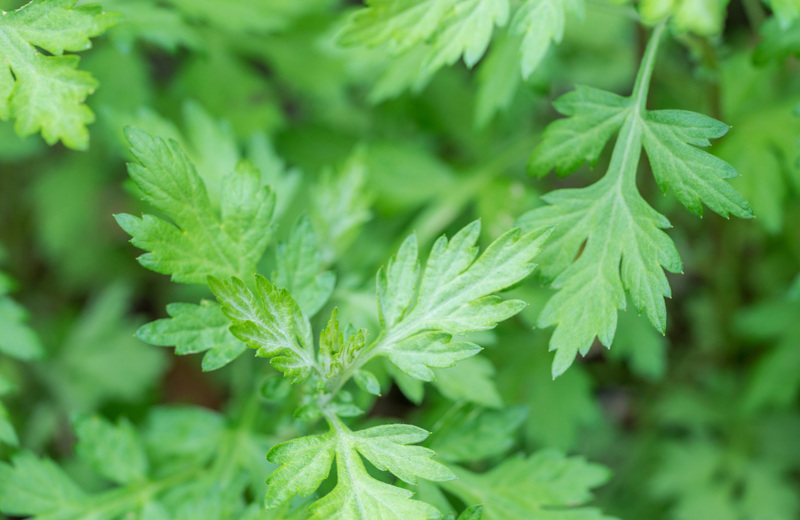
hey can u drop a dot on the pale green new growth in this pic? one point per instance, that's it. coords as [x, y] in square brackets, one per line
[200, 241]
[337, 352]
[269, 320]
[545, 486]
[195, 328]
[306, 462]
[46, 92]
[607, 239]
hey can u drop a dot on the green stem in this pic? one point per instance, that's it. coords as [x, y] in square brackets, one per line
[627, 150]
[642, 85]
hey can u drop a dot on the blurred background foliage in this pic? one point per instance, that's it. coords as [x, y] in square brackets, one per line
[701, 423]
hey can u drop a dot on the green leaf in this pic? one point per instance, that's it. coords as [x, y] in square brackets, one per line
[195, 328]
[455, 295]
[541, 22]
[198, 242]
[426, 34]
[618, 240]
[777, 42]
[774, 381]
[546, 486]
[367, 382]
[183, 433]
[387, 447]
[418, 354]
[111, 450]
[694, 176]
[607, 240]
[466, 30]
[698, 479]
[306, 462]
[152, 23]
[477, 434]
[270, 321]
[400, 24]
[472, 380]
[397, 283]
[100, 359]
[337, 353]
[593, 117]
[340, 207]
[498, 78]
[33, 486]
[46, 92]
[472, 513]
[299, 269]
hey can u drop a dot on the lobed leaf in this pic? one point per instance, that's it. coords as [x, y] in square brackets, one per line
[455, 295]
[47, 92]
[694, 176]
[593, 117]
[199, 242]
[195, 328]
[607, 239]
[269, 320]
[306, 462]
[605, 243]
[545, 486]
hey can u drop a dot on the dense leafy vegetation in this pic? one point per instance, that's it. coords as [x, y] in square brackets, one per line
[432, 255]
